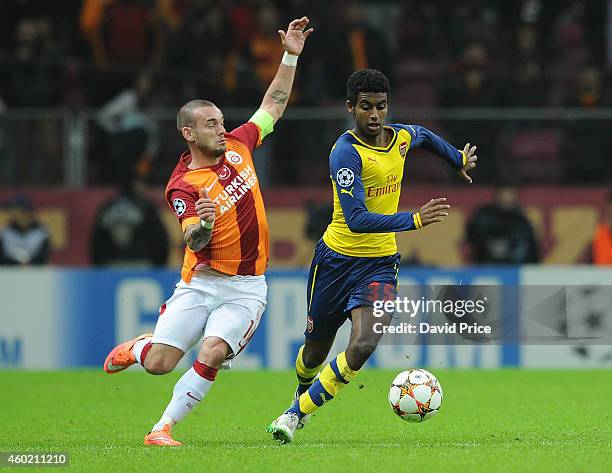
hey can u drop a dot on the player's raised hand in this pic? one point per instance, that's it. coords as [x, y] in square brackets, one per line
[470, 162]
[205, 208]
[293, 40]
[434, 211]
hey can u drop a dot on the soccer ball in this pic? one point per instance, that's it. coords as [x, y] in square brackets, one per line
[415, 395]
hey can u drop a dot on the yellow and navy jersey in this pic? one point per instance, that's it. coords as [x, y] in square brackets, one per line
[366, 182]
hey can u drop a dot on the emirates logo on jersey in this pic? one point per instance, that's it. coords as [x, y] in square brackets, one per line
[224, 173]
[403, 149]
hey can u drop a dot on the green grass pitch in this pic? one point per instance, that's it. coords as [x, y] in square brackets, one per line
[490, 421]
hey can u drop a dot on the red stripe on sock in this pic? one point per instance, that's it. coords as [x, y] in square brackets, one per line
[207, 372]
[145, 352]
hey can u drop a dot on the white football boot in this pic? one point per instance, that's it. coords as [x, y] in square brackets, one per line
[283, 428]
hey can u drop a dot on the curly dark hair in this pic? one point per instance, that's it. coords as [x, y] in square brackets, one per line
[366, 80]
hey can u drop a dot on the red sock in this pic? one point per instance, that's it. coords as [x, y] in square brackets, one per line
[207, 372]
[145, 352]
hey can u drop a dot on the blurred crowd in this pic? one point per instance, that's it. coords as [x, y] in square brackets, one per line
[131, 58]
[128, 231]
[473, 53]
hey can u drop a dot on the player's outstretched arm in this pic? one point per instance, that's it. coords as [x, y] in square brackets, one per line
[277, 95]
[461, 160]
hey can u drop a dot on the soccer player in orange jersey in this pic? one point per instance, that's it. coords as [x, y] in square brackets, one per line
[215, 194]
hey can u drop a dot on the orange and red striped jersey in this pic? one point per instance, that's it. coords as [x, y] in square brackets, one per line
[239, 242]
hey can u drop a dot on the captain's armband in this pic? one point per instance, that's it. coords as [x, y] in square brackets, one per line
[264, 121]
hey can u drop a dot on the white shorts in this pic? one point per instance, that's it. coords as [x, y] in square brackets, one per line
[212, 305]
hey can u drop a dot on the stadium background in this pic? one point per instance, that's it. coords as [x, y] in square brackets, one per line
[526, 81]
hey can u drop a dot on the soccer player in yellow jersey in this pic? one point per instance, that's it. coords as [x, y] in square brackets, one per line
[356, 261]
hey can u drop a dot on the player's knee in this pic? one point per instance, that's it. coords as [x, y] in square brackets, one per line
[359, 352]
[313, 359]
[159, 365]
[214, 352]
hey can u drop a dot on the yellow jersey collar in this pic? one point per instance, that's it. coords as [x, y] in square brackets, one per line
[377, 148]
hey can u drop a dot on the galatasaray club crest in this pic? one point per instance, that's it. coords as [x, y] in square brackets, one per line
[233, 157]
[224, 173]
[403, 148]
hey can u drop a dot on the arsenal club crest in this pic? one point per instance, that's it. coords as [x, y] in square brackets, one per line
[403, 149]
[309, 324]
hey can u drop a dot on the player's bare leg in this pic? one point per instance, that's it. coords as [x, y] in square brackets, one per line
[156, 358]
[364, 339]
[190, 390]
[161, 358]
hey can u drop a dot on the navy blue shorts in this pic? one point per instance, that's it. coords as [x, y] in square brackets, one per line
[338, 283]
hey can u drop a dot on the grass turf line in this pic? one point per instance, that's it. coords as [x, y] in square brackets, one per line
[490, 421]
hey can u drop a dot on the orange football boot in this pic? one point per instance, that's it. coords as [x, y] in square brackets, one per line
[121, 357]
[162, 437]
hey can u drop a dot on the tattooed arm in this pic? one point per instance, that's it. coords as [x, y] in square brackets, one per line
[198, 235]
[275, 100]
[277, 95]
